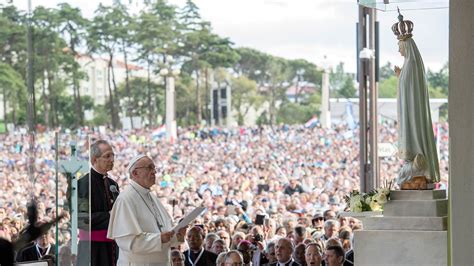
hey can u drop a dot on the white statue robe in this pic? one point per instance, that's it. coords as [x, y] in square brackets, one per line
[417, 145]
[134, 225]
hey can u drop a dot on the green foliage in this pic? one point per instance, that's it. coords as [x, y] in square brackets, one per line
[244, 96]
[12, 88]
[440, 79]
[148, 39]
[388, 87]
[348, 89]
[101, 115]
[292, 113]
[341, 83]
[186, 102]
[386, 72]
[136, 104]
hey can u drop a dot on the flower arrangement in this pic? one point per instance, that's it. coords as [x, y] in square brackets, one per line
[371, 201]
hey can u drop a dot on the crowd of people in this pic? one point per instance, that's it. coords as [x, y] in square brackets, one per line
[272, 194]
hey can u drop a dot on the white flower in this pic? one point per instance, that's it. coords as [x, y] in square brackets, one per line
[357, 207]
[355, 199]
[385, 191]
[375, 206]
[381, 198]
[368, 200]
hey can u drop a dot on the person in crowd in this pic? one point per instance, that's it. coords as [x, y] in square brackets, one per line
[331, 228]
[196, 255]
[236, 238]
[95, 248]
[177, 258]
[343, 221]
[334, 256]
[281, 231]
[313, 254]
[299, 254]
[293, 187]
[345, 235]
[299, 234]
[210, 238]
[284, 249]
[139, 222]
[270, 253]
[246, 248]
[329, 215]
[257, 238]
[42, 246]
[219, 246]
[220, 261]
[233, 258]
[224, 235]
[269, 228]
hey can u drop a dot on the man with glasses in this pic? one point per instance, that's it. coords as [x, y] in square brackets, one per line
[318, 221]
[139, 222]
[94, 247]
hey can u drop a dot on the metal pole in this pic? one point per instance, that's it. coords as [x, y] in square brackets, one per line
[373, 126]
[362, 43]
[31, 110]
[56, 168]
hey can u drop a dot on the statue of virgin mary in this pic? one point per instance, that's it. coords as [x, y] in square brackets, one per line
[416, 140]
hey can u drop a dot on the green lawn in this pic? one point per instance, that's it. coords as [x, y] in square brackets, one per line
[2, 127]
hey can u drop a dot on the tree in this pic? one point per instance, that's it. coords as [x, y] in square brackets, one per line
[388, 87]
[278, 72]
[49, 62]
[304, 72]
[244, 96]
[157, 37]
[135, 105]
[440, 79]
[293, 113]
[72, 25]
[103, 38]
[348, 89]
[13, 89]
[251, 63]
[386, 72]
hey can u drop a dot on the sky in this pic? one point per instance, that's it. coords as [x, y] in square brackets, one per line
[307, 29]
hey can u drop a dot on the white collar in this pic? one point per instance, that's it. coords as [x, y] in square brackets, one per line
[104, 175]
[139, 188]
[45, 253]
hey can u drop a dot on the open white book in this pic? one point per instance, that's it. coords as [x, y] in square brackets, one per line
[189, 218]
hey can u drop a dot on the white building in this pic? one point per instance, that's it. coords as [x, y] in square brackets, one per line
[96, 83]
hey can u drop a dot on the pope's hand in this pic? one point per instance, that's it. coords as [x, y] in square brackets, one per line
[181, 233]
[166, 236]
[397, 71]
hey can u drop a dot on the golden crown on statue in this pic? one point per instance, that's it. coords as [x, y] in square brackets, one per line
[403, 28]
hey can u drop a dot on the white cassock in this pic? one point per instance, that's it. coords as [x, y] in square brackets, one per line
[135, 222]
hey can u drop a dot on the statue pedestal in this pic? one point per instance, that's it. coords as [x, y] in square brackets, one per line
[411, 231]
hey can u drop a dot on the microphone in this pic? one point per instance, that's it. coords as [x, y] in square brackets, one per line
[114, 190]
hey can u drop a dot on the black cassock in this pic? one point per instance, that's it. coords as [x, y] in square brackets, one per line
[30, 253]
[97, 249]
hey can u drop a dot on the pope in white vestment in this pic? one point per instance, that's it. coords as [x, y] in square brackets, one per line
[139, 223]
